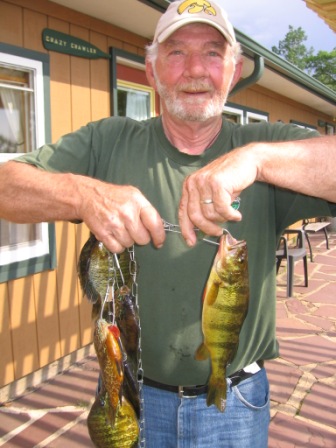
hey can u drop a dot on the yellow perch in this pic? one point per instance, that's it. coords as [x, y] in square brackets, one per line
[225, 306]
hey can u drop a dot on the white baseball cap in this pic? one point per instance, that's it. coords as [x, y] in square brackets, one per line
[183, 12]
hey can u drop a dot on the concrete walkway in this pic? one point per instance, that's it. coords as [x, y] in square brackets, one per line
[303, 379]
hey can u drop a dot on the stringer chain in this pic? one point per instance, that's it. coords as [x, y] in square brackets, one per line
[133, 270]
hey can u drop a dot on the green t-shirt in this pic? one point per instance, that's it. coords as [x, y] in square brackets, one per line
[171, 280]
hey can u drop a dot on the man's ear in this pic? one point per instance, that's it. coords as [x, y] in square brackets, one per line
[237, 73]
[150, 74]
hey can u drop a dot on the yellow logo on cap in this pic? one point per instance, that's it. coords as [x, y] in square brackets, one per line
[195, 6]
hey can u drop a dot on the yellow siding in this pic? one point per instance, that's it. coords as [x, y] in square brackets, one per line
[45, 317]
[7, 358]
[23, 326]
[278, 107]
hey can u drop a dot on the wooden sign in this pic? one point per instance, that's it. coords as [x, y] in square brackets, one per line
[64, 43]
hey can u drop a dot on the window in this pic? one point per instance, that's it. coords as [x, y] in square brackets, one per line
[135, 100]
[330, 129]
[303, 125]
[253, 117]
[131, 95]
[23, 128]
[242, 115]
[17, 134]
[233, 114]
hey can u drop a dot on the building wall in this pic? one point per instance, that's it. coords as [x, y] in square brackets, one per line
[44, 317]
[279, 107]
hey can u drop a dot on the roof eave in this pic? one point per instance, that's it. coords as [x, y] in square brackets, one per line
[251, 47]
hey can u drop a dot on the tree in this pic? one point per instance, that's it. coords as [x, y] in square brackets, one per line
[293, 49]
[321, 66]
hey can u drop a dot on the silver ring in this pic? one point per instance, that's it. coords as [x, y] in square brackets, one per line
[207, 201]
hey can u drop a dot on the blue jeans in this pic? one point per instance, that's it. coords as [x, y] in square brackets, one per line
[174, 422]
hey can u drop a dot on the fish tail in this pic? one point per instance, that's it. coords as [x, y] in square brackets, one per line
[217, 393]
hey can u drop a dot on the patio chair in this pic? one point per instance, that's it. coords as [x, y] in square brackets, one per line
[292, 254]
[312, 227]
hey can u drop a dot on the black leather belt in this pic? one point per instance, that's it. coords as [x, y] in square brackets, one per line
[194, 391]
[241, 375]
[183, 391]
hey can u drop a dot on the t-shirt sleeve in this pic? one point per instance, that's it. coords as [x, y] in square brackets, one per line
[73, 152]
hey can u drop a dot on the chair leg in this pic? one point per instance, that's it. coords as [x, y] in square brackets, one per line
[326, 237]
[305, 267]
[290, 274]
[310, 248]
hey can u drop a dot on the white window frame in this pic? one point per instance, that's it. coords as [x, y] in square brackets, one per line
[303, 125]
[129, 86]
[245, 115]
[235, 111]
[40, 246]
[330, 129]
[256, 116]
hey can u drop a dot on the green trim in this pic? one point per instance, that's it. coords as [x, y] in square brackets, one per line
[23, 52]
[48, 261]
[323, 123]
[159, 5]
[115, 53]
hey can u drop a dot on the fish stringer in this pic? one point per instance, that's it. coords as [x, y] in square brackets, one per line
[133, 270]
[114, 284]
[109, 300]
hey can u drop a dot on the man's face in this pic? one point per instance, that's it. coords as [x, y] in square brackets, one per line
[193, 72]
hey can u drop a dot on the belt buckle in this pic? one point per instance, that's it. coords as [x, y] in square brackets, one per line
[181, 393]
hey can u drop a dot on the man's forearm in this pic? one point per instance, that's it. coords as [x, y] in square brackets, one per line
[30, 195]
[118, 215]
[305, 166]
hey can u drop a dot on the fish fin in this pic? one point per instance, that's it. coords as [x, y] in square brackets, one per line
[95, 313]
[202, 353]
[121, 395]
[111, 413]
[211, 291]
[233, 354]
[217, 393]
[131, 389]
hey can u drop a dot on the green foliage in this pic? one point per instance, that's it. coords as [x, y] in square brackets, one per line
[292, 47]
[321, 66]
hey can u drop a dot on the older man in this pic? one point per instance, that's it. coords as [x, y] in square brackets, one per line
[122, 177]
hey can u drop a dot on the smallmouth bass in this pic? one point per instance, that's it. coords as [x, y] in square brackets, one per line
[226, 298]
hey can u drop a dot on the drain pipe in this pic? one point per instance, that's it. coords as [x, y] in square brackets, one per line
[253, 78]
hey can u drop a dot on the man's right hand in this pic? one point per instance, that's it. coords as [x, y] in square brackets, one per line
[119, 215]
